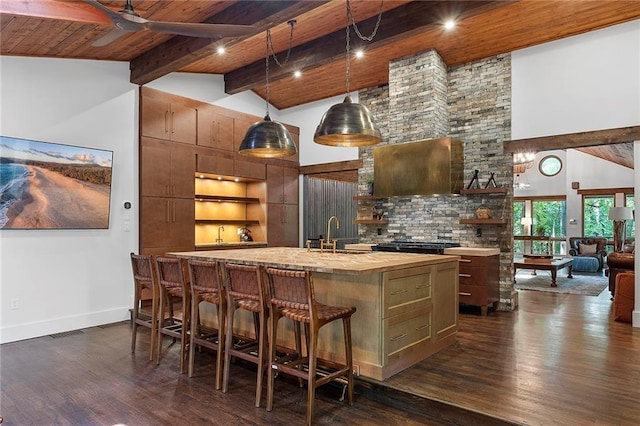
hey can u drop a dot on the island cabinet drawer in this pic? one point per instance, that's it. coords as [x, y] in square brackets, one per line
[406, 289]
[472, 294]
[472, 263]
[477, 278]
[405, 331]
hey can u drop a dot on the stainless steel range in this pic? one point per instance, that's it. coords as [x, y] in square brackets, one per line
[410, 246]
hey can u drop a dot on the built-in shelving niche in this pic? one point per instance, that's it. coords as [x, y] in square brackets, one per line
[223, 205]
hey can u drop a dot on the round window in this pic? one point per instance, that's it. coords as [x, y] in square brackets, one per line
[550, 165]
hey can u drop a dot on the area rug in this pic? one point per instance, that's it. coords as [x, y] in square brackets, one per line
[584, 283]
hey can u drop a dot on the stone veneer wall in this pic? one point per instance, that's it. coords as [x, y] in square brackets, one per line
[471, 102]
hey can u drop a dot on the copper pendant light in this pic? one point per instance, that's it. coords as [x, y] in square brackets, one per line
[348, 124]
[268, 139]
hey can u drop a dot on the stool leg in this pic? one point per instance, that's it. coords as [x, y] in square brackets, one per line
[186, 313]
[348, 350]
[262, 338]
[228, 345]
[154, 326]
[273, 326]
[312, 350]
[163, 298]
[134, 324]
[220, 308]
[193, 327]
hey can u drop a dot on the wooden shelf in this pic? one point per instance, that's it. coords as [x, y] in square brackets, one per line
[370, 222]
[243, 221]
[220, 198]
[366, 197]
[483, 221]
[483, 191]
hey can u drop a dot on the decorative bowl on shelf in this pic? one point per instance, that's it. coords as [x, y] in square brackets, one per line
[483, 212]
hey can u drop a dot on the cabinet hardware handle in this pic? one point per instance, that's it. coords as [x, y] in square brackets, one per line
[464, 261]
[167, 208]
[460, 293]
[172, 129]
[173, 203]
[166, 121]
[422, 286]
[464, 275]
[393, 293]
[422, 327]
[402, 336]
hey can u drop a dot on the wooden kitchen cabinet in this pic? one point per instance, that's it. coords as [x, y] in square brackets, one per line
[166, 169]
[167, 224]
[216, 163]
[169, 120]
[282, 184]
[282, 225]
[215, 130]
[480, 281]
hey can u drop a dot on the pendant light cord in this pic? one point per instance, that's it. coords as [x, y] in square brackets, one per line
[350, 22]
[275, 57]
[355, 26]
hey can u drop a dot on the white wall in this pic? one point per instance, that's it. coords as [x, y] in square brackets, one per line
[68, 279]
[582, 83]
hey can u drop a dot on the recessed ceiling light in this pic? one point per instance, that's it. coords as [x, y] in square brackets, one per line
[449, 24]
[221, 50]
[297, 73]
[359, 54]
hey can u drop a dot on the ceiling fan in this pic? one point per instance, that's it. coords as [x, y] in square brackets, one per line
[127, 20]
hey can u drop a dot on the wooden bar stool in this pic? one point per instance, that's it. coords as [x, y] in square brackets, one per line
[244, 289]
[206, 286]
[291, 295]
[172, 283]
[144, 278]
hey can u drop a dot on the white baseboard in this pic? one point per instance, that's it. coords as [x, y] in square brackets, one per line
[58, 325]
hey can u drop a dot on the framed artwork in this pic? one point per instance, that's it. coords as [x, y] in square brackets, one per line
[47, 185]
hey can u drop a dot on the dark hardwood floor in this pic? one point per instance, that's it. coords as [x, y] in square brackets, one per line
[558, 360]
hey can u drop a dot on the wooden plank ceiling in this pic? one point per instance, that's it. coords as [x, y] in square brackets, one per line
[67, 29]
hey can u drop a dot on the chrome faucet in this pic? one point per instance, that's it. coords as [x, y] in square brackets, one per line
[219, 239]
[328, 242]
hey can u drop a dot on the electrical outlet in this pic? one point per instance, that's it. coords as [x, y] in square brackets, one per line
[15, 304]
[356, 369]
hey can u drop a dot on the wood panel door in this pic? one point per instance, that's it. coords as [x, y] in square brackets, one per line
[167, 224]
[290, 185]
[183, 123]
[215, 130]
[167, 169]
[282, 225]
[275, 184]
[167, 120]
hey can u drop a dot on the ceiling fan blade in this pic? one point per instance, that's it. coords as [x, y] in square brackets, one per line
[52, 9]
[121, 20]
[201, 29]
[110, 37]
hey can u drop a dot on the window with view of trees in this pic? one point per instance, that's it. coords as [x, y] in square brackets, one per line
[549, 219]
[518, 228]
[631, 224]
[595, 216]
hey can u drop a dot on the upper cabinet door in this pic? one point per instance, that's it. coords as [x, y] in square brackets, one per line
[166, 120]
[215, 130]
[275, 184]
[155, 164]
[183, 123]
[155, 118]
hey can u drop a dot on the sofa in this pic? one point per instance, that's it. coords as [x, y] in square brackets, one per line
[620, 262]
[588, 252]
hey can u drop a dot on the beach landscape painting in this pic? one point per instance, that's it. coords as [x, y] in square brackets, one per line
[47, 185]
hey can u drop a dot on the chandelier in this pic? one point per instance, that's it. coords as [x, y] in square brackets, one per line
[522, 161]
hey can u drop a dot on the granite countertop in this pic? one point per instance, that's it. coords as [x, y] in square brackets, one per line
[343, 262]
[472, 251]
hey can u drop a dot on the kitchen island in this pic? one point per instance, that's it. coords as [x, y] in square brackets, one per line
[407, 304]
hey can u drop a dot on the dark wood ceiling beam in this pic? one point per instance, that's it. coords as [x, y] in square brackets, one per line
[574, 140]
[180, 51]
[398, 23]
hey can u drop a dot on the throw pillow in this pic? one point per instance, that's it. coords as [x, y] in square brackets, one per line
[587, 248]
[629, 248]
